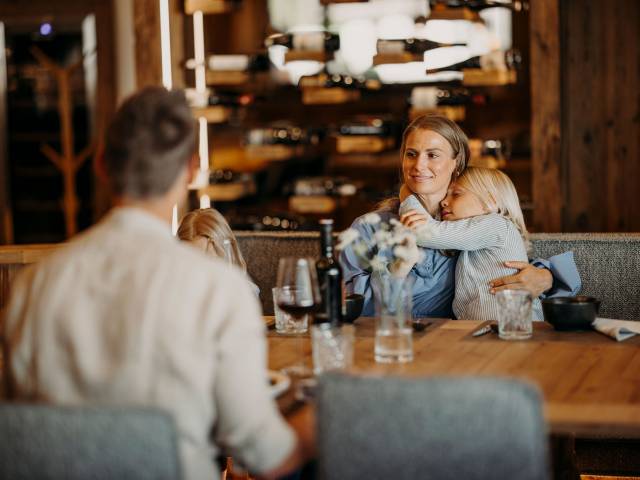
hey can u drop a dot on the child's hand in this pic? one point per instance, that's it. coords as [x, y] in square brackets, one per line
[414, 219]
[404, 192]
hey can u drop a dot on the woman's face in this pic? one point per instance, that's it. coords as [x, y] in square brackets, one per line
[428, 163]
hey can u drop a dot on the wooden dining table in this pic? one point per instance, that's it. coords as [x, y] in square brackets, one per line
[590, 383]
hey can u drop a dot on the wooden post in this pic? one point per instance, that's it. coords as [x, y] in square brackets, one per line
[67, 162]
[546, 118]
[146, 21]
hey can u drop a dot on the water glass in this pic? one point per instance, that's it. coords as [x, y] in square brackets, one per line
[332, 347]
[514, 315]
[285, 323]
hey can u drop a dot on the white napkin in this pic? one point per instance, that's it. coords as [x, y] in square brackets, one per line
[619, 330]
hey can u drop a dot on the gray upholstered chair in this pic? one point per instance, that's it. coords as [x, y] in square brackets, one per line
[46, 442]
[440, 428]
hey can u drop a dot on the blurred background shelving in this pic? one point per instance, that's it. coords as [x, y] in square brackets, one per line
[313, 120]
[279, 153]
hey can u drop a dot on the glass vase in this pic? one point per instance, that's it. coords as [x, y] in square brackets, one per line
[393, 332]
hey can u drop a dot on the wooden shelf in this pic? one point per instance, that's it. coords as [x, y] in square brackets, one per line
[228, 192]
[405, 57]
[296, 55]
[455, 113]
[227, 77]
[487, 78]
[213, 114]
[329, 96]
[440, 12]
[209, 6]
[346, 144]
[315, 204]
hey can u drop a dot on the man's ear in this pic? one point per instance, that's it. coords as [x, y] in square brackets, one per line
[192, 167]
[99, 166]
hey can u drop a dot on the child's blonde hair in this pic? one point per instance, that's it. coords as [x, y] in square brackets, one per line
[210, 224]
[496, 191]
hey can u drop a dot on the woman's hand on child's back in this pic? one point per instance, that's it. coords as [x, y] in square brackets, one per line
[535, 280]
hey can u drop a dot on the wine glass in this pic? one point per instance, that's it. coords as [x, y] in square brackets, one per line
[298, 295]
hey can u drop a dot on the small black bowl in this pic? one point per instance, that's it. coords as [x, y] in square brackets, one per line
[353, 304]
[570, 313]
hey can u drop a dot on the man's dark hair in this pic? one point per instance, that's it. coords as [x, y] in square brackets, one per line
[149, 142]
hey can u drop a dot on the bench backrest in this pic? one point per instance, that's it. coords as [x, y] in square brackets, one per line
[609, 263]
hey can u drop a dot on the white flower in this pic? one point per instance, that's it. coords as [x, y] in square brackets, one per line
[408, 253]
[377, 263]
[382, 238]
[347, 237]
[361, 249]
[389, 243]
[372, 218]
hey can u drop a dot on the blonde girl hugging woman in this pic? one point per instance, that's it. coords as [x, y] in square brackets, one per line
[481, 217]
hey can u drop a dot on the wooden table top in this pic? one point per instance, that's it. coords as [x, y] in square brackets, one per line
[590, 383]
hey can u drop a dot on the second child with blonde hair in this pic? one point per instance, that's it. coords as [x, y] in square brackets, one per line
[207, 230]
[482, 218]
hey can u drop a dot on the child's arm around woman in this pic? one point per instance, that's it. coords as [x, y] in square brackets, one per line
[486, 230]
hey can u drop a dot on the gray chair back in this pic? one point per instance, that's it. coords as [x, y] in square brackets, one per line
[263, 250]
[47, 442]
[440, 428]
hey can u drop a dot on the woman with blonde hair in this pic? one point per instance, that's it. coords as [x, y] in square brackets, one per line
[434, 152]
[482, 219]
[208, 230]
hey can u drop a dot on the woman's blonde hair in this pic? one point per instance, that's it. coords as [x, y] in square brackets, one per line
[210, 224]
[496, 191]
[451, 132]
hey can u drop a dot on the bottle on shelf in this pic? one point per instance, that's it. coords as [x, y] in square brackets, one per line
[431, 97]
[411, 45]
[282, 135]
[253, 63]
[478, 5]
[497, 60]
[318, 41]
[323, 80]
[329, 277]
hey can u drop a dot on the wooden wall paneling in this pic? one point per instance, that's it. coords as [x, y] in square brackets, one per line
[583, 121]
[546, 152]
[239, 31]
[146, 21]
[622, 122]
[6, 221]
[176, 27]
[106, 93]
[601, 107]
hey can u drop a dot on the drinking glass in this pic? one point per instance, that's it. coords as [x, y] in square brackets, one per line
[514, 316]
[285, 323]
[332, 347]
[298, 295]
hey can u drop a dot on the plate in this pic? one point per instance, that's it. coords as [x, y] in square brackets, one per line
[278, 382]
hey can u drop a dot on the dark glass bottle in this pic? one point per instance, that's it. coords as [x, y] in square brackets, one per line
[411, 45]
[494, 60]
[477, 5]
[329, 277]
[306, 41]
